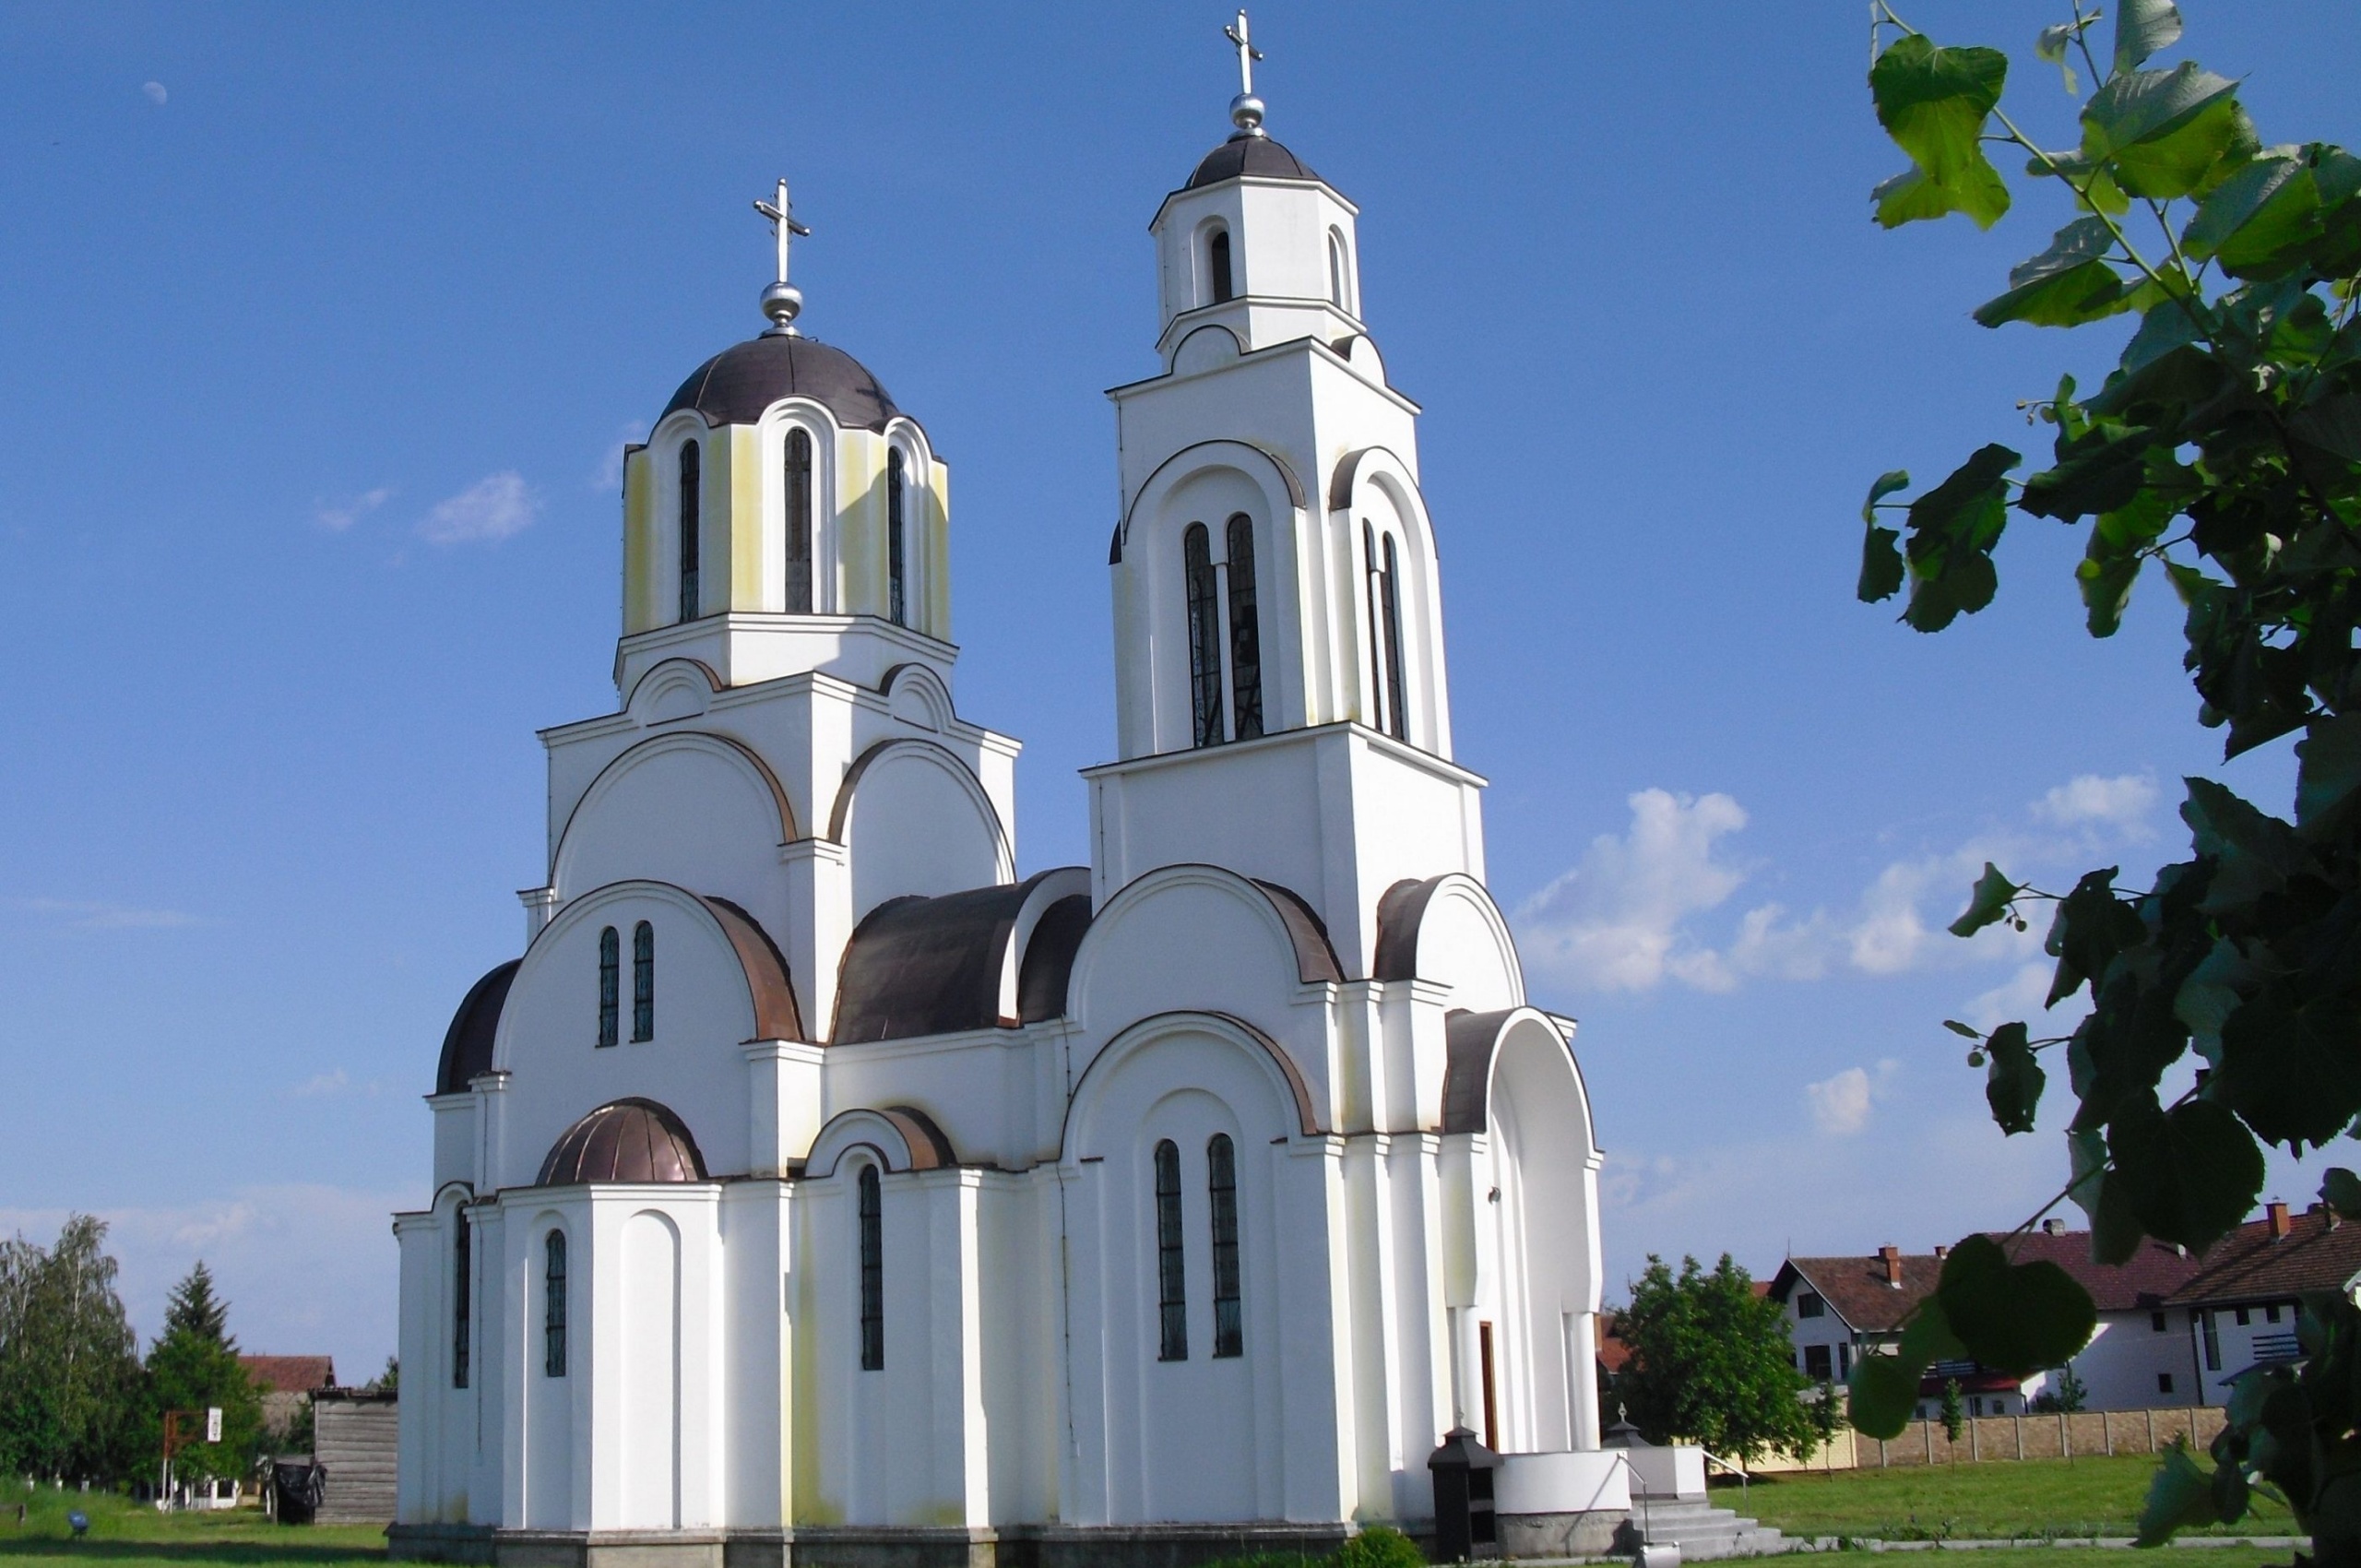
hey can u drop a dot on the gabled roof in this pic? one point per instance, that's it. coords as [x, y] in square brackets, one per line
[290, 1374]
[1856, 1287]
[2151, 1276]
[2249, 1264]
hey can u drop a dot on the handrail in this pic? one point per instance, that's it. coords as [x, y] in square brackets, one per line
[1744, 1484]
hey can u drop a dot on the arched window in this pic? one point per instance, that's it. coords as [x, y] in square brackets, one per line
[462, 1297]
[1172, 1271]
[1373, 608]
[1205, 635]
[692, 514]
[643, 981]
[1245, 631]
[1336, 270]
[1217, 265]
[610, 986]
[1221, 1184]
[797, 601]
[872, 1271]
[553, 1305]
[1396, 692]
[896, 547]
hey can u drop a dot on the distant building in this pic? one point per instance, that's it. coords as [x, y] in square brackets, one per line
[2239, 1305]
[287, 1384]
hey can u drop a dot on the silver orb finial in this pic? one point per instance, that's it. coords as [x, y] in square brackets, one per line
[782, 303]
[1245, 109]
[1246, 114]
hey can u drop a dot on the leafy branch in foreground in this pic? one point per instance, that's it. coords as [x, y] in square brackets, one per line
[2225, 451]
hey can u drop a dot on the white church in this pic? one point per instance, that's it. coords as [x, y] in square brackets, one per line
[812, 1189]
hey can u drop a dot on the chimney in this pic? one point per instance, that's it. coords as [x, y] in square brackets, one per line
[1942, 1251]
[2053, 1226]
[2276, 1213]
[1892, 1258]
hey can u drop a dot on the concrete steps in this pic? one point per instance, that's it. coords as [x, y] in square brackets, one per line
[1703, 1531]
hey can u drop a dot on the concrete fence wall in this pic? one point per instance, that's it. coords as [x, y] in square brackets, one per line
[2015, 1437]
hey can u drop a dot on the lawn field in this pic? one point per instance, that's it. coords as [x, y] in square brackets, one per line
[2025, 1498]
[124, 1535]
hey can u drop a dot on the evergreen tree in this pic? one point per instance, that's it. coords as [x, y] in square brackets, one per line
[193, 1365]
[1954, 1418]
[68, 1372]
[1712, 1363]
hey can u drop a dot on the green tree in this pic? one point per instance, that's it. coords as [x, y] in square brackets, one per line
[2224, 451]
[193, 1366]
[1953, 1414]
[1827, 1415]
[68, 1376]
[1711, 1362]
[390, 1380]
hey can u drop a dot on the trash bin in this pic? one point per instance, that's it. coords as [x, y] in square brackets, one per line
[1465, 1524]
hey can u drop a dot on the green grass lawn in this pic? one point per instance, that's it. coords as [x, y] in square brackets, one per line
[2018, 1499]
[126, 1534]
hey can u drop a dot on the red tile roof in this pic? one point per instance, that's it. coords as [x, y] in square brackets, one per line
[290, 1374]
[1856, 1290]
[2153, 1273]
[2317, 1254]
[1856, 1287]
[1614, 1350]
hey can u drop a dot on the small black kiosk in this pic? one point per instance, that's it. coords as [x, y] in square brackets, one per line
[1464, 1525]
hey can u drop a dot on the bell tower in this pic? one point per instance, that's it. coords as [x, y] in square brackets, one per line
[1281, 702]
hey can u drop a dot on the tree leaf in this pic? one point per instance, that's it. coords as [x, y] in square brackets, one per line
[2330, 759]
[1987, 903]
[2014, 1082]
[2050, 44]
[1934, 103]
[2195, 155]
[1885, 485]
[2273, 192]
[1965, 1031]
[2139, 107]
[2013, 1318]
[1881, 1394]
[2098, 473]
[2333, 424]
[1953, 529]
[2064, 286]
[2142, 26]
[2093, 925]
[2178, 1494]
[2290, 1070]
[2189, 1175]
[1881, 568]
[2340, 1190]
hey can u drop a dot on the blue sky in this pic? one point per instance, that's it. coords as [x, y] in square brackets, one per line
[323, 328]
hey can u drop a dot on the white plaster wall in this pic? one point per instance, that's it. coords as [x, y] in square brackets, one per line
[2121, 1364]
[919, 823]
[688, 810]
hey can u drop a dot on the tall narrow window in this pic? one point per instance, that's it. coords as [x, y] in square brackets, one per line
[643, 981]
[1376, 628]
[1336, 269]
[1205, 635]
[896, 547]
[610, 986]
[1491, 1398]
[1245, 630]
[1217, 264]
[1221, 1185]
[797, 601]
[872, 1271]
[1171, 1272]
[692, 514]
[553, 1305]
[462, 1298]
[1397, 720]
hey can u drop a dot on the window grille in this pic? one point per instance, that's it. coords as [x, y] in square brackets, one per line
[1245, 631]
[553, 1306]
[643, 981]
[692, 514]
[1221, 1183]
[610, 987]
[462, 1298]
[1376, 628]
[896, 549]
[1397, 721]
[1205, 635]
[872, 1271]
[1171, 1272]
[1217, 263]
[797, 600]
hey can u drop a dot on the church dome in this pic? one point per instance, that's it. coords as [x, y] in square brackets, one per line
[1245, 154]
[626, 1140]
[738, 383]
[467, 1044]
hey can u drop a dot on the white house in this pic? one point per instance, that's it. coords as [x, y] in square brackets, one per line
[812, 1189]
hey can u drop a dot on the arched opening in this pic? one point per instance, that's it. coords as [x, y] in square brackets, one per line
[1205, 635]
[897, 546]
[1245, 631]
[553, 1305]
[1221, 1188]
[610, 987]
[462, 1297]
[797, 597]
[691, 519]
[1336, 271]
[1171, 1262]
[1217, 266]
[642, 983]
[872, 1202]
[1397, 717]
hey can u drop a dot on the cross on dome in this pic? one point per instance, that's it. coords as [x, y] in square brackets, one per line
[782, 301]
[1245, 109]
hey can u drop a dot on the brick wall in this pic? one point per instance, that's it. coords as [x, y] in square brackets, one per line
[1987, 1438]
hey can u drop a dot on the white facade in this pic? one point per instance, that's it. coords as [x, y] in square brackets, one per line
[811, 1183]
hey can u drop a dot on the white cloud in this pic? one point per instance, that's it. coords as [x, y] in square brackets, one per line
[338, 518]
[320, 1084]
[83, 914]
[2121, 803]
[1839, 1105]
[1615, 921]
[486, 512]
[155, 91]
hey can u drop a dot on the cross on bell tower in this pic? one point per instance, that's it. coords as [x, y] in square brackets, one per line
[782, 301]
[1245, 109]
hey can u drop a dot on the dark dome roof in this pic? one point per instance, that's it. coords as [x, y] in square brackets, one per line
[1242, 154]
[738, 383]
[920, 965]
[629, 1140]
[467, 1044]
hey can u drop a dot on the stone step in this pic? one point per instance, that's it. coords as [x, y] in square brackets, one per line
[1703, 1531]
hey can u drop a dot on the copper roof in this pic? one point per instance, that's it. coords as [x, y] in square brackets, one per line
[2317, 1254]
[1245, 154]
[627, 1140]
[467, 1044]
[289, 1374]
[933, 965]
[767, 984]
[738, 383]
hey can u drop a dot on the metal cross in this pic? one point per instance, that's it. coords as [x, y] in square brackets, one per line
[782, 223]
[1247, 56]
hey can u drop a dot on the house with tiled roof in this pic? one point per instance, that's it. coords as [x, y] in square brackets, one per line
[1839, 1309]
[2240, 1305]
[287, 1384]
